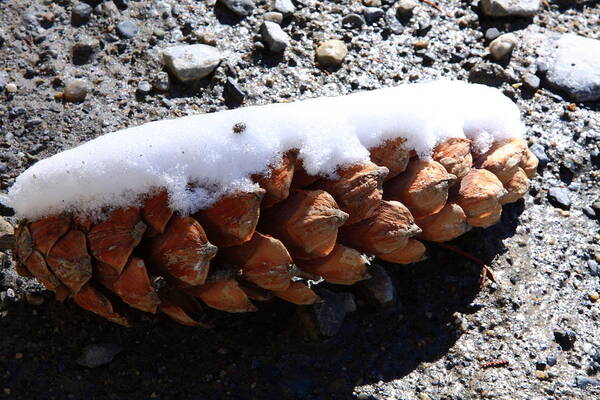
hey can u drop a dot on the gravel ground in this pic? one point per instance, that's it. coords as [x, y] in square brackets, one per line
[542, 316]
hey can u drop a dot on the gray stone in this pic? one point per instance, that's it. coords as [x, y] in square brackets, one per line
[559, 197]
[405, 8]
[510, 8]
[33, 122]
[490, 74]
[274, 16]
[4, 79]
[551, 361]
[161, 82]
[539, 151]
[81, 14]
[240, 7]
[373, 14]
[531, 81]
[144, 88]
[574, 67]
[353, 21]
[286, 7]
[589, 211]
[274, 37]
[583, 382]
[492, 33]
[191, 62]
[331, 53]
[75, 91]
[96, 355]
[593, 267]
[127, 29]
[501, 48]
[378, 291]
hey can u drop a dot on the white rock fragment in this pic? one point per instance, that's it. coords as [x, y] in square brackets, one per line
[331, 53]
[286, 7]
[199, 158]
[501, 48]
[510, 8]
[574, 67]
[191, 62]
[274, 37]
[240, 7]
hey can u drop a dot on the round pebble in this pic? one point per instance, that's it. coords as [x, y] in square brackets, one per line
[75, 91]
[502, 47]
[11, 88]
[331, 53]
[127, 29]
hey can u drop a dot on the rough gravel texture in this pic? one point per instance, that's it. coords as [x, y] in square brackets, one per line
[430, 342]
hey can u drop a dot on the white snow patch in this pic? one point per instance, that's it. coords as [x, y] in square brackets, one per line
[199, 158]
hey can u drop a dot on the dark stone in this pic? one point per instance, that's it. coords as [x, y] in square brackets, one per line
[5, 208]
[538, 150]
[583, 381]
[566, 339]
[81, 13]
[427, 57]
[378, 291]
[17, 111]
[95, 355]
[551, 361]
[33, 122]
[559, 197]
[596, 355]
[492, 33]
[122, 4]
[424, 28]
[596, 207]
[233, 93]
[83, 50]
[127, 29]
[324, 319]
[540, 365]
[353, 21]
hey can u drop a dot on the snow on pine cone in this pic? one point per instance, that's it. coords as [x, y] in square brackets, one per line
[250, 247]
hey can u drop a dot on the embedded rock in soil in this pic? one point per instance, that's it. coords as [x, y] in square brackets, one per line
[510, 8]
[191, 62]
[574, 67]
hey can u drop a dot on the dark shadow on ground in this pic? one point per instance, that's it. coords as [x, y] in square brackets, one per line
[258, 356]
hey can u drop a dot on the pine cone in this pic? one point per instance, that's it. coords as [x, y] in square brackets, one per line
[250, 247]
